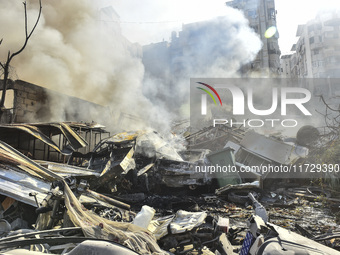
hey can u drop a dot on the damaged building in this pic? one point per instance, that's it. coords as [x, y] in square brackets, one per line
[262, 16]
[74, 187]
[176, 56]
[133, 192]
[316, 53]
[27, 102]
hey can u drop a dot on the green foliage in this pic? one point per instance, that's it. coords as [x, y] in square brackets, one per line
[330, 155]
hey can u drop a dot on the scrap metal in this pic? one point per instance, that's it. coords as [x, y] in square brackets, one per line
[66, 211]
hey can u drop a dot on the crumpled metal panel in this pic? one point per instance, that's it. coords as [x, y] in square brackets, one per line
[274, 150]
[32, 130]
[19, 185]
[180, 174]
[67, 170]
[124, 137]
[9, 155]
[75, 140]
[112, 169]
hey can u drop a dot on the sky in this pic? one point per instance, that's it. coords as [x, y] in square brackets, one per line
[291, 13]
[150, 21]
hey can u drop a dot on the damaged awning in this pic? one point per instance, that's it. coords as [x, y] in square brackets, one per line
[44, 132]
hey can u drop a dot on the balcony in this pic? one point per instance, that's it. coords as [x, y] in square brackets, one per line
[317, 45]
[331, 42]
[333, 22]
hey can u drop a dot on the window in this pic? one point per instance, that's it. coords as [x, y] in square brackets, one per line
[311, 40]
[331, 60]
[255, 28]
[271, 13]
[252, 14]
[9, 101]
[310, 28]
[327, 35]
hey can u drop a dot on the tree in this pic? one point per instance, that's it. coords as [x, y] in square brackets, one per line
[5, 65]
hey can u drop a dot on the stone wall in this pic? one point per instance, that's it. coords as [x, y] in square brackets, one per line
[32, 103]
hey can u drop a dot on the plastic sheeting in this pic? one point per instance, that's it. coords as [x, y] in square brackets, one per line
[186, 221]
[133, 237]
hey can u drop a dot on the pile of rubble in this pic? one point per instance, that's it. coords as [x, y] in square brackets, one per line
[72, 188]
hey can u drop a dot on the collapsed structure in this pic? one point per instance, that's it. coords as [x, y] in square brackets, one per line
[80, 189]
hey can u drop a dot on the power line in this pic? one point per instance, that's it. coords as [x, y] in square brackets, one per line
[141, 22]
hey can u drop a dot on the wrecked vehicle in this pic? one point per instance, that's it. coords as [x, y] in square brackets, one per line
[136, 193]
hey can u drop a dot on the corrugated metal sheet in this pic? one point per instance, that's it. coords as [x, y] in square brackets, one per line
[274, 150]
[10, 156]
[19, 185]
[74, 139]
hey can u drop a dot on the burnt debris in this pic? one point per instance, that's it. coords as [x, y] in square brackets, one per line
[71, 188]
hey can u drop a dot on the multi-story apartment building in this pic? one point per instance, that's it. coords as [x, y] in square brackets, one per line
[317, 51]
[286, 69]
[262, 15]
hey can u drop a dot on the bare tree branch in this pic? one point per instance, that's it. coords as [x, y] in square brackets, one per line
[26, 32]
[327, 105]
[6, 66]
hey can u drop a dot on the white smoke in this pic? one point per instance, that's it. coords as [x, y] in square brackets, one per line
[216, 48]
[75, 52]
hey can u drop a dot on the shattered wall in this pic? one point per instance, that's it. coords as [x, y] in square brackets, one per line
[79, 51]
[32, 103]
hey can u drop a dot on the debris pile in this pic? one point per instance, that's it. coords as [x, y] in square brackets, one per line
[72, 188]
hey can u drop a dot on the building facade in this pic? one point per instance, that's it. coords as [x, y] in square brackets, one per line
[201, 44]
[26, 103]
[317, 51]
[262, 15]
[286, 61]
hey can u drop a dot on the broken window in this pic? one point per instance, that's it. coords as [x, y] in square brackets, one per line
[9, 102]
[311, 40]
[271, 13]
[255, 28]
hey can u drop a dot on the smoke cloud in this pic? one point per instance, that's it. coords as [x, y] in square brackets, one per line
[216, 48]
[75, 52]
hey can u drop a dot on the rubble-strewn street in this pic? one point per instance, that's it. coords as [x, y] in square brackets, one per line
[169, 127]
[134, 192]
